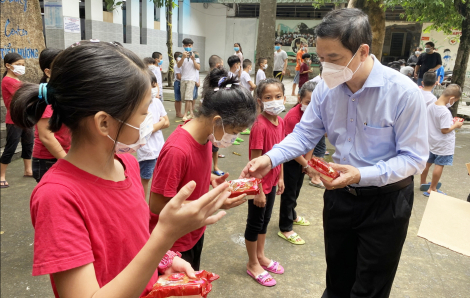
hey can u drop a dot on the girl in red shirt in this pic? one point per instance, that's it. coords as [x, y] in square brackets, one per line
[267, 131]
[48, 146]
[227, 110]
[89, 212]
[14, 65]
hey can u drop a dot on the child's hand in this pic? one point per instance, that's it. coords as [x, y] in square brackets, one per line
[219, 180]
[280, 187]
[260, 200]
[180, 265]
[178, 219]
[234, 202]
[458, 124]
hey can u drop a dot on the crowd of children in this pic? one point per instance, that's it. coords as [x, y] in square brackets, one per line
[84, 128]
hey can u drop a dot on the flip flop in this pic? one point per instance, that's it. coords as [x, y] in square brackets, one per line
[318, 185]
[3, 184]
[327, 153]
[245, 132]
[425, 187]
[236, 143]
[274, 267]
[218, 173]
[264, 279]
[239, 140]
[221, 156]
[427, 194]
[302, 222]
[292, 238]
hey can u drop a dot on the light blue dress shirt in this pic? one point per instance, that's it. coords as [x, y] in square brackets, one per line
[381, 129]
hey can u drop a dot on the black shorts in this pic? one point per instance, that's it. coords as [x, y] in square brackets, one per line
[215, 149]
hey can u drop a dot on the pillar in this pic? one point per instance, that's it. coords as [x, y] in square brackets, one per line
[94, 27]
[62, 23]
[132, 21]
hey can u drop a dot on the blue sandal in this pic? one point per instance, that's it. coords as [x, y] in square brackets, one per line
[427, 194]
[218, 173]
[425, 187]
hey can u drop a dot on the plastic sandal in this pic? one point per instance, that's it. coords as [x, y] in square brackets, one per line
[427, 194]
[221, 156]
[425, 187]
[239, 140]
[294, 238]
[318, 185]
[245, 132]
[264, 279]
[236, 143]
[274, 267]
[302, 222]
[3, 184]
[218, 173]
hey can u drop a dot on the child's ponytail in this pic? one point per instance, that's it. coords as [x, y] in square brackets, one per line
[26, 107]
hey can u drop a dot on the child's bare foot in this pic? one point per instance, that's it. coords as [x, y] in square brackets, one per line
[263, 261]
[179, 116]
[255, 269]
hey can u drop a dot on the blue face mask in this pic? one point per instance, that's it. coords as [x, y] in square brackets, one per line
[160, 63]
[277, 48]
[236, 49]
[187, 49]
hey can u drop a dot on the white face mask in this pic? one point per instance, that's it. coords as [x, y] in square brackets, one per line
[335, 75]
[19, 70]
[274, 107]
[303, 107]
[154, 92]
[226, 141]
[265, 66]
[145, 131]
[448, 105]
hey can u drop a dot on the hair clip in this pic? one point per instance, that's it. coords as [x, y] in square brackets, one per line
[43, 91]
[228, 86]
[75, 44]
[223, 79]
[94, 40]
[216, 89]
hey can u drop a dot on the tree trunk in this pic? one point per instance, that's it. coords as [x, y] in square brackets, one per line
[169, 40]
[266, 34]
[463, 53]
[375, 11]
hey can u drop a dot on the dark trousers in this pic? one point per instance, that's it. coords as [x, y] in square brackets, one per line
[293, 180]
[193, 256]
[15, 135]
[278, 75]
[41, 166]
[258, 218]
[364, 237]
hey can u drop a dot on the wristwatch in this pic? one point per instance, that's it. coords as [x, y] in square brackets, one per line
[167, 261]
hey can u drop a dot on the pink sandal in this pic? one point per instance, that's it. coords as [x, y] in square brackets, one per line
[264, 279]
[274, 267]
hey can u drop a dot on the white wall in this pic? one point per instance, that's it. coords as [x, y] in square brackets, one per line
[174, 19]
[242, 31]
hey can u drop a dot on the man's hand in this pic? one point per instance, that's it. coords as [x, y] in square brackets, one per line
[416, 75]
[348, 175]
[185, 55]
[234, 202]
[260, 200]
[219, 180]
[280, 187]
[257, 167]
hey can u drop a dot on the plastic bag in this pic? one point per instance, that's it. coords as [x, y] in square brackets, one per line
[249, 186]
[180, 285]
[322, 167]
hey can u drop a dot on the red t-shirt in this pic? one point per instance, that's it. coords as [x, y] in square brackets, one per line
[303, 77]
[63, 136]
[182, 160]
[80, 219]
[264, 135]
[9, 87]
[292, 118]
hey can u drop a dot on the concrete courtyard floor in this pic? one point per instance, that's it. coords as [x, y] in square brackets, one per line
[425, 270]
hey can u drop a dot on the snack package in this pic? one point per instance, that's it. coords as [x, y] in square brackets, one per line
[457, 119]
[322, 167]
[180, 285]
[241, 186]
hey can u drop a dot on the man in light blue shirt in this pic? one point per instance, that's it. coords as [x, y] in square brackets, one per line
[376, 119]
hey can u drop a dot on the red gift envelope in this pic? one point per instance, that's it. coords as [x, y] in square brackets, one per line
[322, 167]
[249, 186]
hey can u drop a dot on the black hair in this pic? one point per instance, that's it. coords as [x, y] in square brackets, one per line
[153, 78]
[188, 41]
[86, 78]
[264, 83]
[45, 61]
[430, 43]
[309, 86]
[348, 25]
[116, 43]
[232, 60]
[277, 42]
[149, 61]
[10, 58]
[419, 49]
[429, 78]
[402, 62]
[306, 55]
[261, 59]
[232, 102]
[213, 60]
[156, 55]
[240, 46]
[177, 54]
[246, 63]
[412, 64]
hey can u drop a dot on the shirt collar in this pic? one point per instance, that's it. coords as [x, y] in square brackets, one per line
[376, 76]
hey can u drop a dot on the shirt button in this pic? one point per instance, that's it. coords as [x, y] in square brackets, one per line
[354, 99]
[352, 119]
[349, 139]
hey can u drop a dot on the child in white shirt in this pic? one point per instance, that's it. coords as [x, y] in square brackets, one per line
[177, 85]
[150, 63]
[189, 65]
[245, 78]
[148, 154]
[158, 72]
[263, 65]
[234, 63]
[428, 82]
[197, 80]
[441, 136]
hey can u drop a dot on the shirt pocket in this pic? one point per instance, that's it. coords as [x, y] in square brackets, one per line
[374, 144]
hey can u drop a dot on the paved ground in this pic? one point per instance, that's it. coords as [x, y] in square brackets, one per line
[425, 270]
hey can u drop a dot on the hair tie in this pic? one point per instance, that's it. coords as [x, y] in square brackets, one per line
[221, 81]
[216, 89]
[43, 91]
[228, 86]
